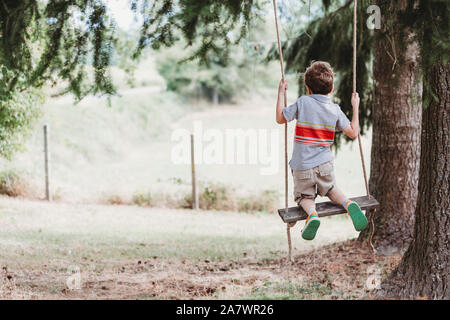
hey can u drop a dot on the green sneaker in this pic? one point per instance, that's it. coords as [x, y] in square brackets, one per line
[311, 226]
[358, 218]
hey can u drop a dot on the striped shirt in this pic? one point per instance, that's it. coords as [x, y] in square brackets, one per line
[317, 120]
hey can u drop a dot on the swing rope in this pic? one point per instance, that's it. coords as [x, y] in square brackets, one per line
[372, 212]
[280, 53]
[286, 199]
[354, 91]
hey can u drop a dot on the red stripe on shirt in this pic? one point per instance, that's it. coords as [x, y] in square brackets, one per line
[314, 133]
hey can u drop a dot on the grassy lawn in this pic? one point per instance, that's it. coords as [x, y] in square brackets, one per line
[71, 232]
[133, 253]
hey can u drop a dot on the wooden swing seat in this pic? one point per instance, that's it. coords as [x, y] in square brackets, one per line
[325, 209]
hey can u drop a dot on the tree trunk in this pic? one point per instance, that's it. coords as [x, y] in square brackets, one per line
[425, 270]
[397, 111]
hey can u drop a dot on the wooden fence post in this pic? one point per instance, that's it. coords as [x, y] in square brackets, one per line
[195, 204]
[48, 195]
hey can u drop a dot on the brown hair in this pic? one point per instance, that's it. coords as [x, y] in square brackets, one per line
[319, 77]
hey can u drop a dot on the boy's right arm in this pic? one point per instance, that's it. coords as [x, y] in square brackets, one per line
[352, 130]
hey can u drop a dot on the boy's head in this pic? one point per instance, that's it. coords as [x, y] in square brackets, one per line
[319, 78]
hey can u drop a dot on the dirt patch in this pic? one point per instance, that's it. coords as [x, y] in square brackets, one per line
[338, 271]
[348, 270]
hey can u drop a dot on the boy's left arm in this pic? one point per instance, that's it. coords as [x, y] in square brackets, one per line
[280, 105]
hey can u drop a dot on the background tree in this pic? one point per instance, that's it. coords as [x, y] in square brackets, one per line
[424, 270]
[396, 119]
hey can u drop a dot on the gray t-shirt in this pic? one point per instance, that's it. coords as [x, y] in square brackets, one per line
[317, 121]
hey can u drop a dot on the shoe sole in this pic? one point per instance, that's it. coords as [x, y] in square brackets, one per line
[311, 229]
[358, 218]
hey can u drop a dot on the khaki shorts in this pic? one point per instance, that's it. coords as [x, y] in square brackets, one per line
[309, 183]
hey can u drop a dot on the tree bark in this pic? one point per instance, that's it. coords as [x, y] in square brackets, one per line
[425, 270]
[397, 111]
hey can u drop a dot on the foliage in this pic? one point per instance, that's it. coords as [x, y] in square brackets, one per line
[430, 19]
[49, 42]
[228, 79]
[18, 110]
[226, 73]
[124, 44]
[12, 184]
[208, 21]
[56, 40]
[217, 196]
[142, 199]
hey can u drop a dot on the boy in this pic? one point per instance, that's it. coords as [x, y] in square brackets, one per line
[312, 160]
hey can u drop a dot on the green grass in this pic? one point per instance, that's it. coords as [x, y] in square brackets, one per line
[75, 233]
